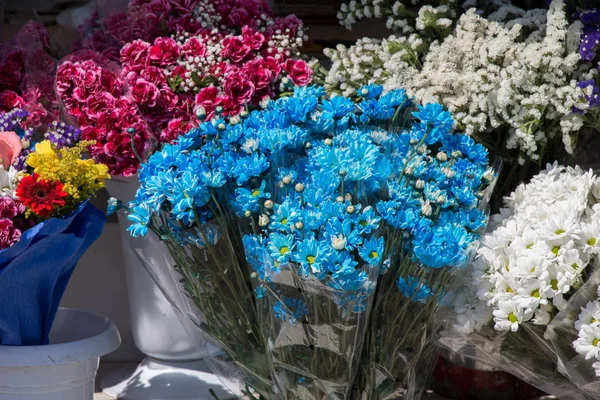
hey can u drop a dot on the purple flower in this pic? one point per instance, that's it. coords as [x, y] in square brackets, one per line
[62, 135]
[593, 98]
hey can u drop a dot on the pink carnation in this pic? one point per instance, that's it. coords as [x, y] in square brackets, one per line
[9, 235]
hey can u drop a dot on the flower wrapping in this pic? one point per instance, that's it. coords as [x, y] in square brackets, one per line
[34, 273]
[573, 334]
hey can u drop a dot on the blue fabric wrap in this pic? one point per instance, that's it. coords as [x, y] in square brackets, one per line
[34, 273]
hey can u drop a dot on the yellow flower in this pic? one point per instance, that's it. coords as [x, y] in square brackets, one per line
[81, 178]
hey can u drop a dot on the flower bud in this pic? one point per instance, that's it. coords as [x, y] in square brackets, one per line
[269, 204]
[328, 142]
[263, 220]
[339, 199]
[247, 213]
[299, 225]
[350, 209]
[286, 180]
[348, 197]
[441, 156]
[299, 187]
[420, 184]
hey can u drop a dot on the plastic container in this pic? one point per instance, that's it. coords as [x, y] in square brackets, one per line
[65, 369]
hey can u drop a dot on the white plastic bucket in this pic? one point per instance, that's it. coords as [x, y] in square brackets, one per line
[63, 370]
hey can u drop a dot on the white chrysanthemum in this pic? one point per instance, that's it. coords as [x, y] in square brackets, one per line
[589, 315]
[509, 315]
[588, 342]
[535, 253]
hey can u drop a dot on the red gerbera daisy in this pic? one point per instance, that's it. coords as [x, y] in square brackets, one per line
[42, 196]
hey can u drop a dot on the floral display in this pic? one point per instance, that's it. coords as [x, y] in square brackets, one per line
[530, 265]
[546, 237]
[589, 334]
[222, 58]
[25, 81]
[481, 91]
[176, 81]
[96, 98]
[331, 199]
[46, 221]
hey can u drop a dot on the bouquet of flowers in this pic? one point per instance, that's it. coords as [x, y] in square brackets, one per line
[94, 95]
[308, 202]
[217, 59]
[530, 265]
[26, 70]
[46, 224]
[510, 79]
[176, 81]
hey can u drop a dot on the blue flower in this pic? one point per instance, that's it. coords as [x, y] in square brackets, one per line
[281, 247]
[370, 91]
[249, 200]
[443, 246]
[341, 263]
[413, 290]
[284, 217]
[290, 310]
[338, 107]
[313, 256]
[434, 114]
[367, 221]
[372, 250]
[343, 231]
[248, 167]
[141, 217]
[113, 205]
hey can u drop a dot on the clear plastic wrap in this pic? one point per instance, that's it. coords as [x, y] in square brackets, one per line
[524, 354]
[315, 331]
[562, 333]
[211, 291]
[403, 334]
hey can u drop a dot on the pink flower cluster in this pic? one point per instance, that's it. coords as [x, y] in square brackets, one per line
[96, 98]
[26, 75]
[12, 221]
[174, 80]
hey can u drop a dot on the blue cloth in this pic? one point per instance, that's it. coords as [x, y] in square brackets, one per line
[34, 273]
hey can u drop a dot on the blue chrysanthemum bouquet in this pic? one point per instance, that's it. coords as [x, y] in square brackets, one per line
[318, 233]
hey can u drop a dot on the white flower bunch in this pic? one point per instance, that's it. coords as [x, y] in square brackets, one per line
[397, 13]
[588, 326]
[387, 62]
[534, 257]
[518, 75]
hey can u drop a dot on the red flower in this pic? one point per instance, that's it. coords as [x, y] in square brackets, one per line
[134, 55]
[252, 38]
[164, 52]
[238, 87]
[10, 100]
[42, 196]
[299, 72]
[235, 49]
[9, 234]
[145, 93]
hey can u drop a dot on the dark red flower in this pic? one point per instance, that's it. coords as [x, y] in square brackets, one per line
[299, 72]
[235, 49]
[238, 87]
[10, 100]
[43, 197]
[9, 235]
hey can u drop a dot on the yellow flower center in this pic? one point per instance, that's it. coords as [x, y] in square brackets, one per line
[363, 223]
[373, 254]
[559, 231]
[530, 245]
[512, 318]
[555, 249]
[595, 342]
[283, 250]
[284, 221]
[535, 293]
[554, 284]
[575, 266]
[311, 259]
[509, 290]
[592, 241]
[255, 193]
